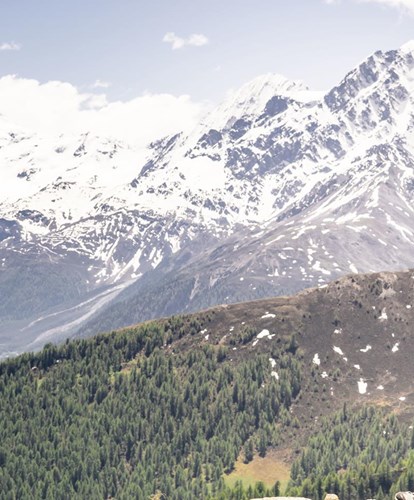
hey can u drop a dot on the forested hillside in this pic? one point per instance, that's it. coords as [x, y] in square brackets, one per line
[125, 416]
[168, 408]
[367, 454]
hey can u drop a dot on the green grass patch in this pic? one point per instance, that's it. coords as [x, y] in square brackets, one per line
[268, 469]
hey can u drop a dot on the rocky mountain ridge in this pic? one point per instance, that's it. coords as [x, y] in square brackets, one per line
[277, 189]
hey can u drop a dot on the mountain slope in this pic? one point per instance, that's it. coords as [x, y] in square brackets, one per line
[168, 406]
[277, 189]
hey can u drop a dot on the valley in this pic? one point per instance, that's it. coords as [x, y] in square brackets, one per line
[279, 188]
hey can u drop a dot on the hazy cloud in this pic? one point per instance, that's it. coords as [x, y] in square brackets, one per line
[177, 42]
[57, 107]
[405, 5]
[99, 84]
[10, 46]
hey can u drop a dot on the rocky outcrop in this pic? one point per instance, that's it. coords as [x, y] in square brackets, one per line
[404, 495]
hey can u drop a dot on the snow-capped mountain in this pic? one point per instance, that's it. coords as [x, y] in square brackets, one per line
[276, 189]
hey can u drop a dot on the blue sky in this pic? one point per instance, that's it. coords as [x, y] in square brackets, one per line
[120, 41]
[123, 49]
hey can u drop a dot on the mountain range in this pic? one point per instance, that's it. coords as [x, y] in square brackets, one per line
[277, 189]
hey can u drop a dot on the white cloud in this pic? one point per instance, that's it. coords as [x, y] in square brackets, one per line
[198, 40]
[56, 107]
[404, 5]
[177, 42]
[10, 46]
[100, 84]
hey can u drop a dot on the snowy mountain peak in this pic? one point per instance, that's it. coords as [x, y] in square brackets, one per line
[408, 47]
[252, 98]
[268, 85]
[385, 80]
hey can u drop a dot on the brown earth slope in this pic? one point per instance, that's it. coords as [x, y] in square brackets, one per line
[355, 337]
